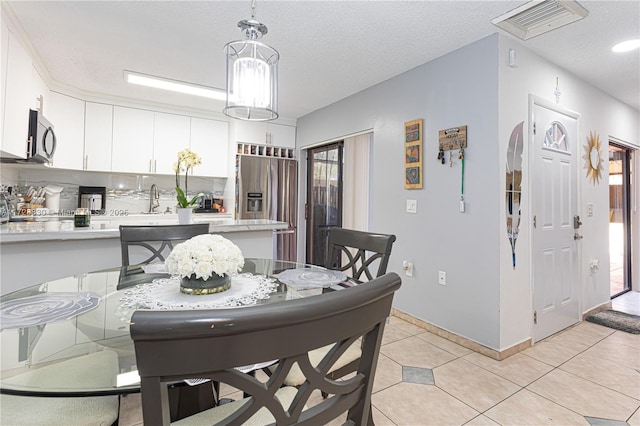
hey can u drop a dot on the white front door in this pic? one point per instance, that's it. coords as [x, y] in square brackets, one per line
[554, 203]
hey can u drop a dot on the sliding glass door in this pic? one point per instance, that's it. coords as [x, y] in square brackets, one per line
[620, 218]
[324, 198]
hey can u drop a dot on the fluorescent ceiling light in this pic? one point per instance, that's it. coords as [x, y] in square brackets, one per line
[626, 46]
[174, 85]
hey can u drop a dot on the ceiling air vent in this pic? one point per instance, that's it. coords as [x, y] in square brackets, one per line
[539, 16]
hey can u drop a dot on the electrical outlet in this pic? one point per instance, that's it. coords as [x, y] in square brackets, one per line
[412, 206]
[442, 278]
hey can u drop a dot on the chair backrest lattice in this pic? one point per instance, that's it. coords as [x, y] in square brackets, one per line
[357, 253]
[213, 343]
[158, 240]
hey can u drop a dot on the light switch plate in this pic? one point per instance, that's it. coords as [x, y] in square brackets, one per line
[589, 209]
[412, 206]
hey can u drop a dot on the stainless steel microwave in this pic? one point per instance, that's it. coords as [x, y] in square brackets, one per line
[41, 142]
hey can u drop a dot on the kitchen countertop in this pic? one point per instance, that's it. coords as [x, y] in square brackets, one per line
[102, 227]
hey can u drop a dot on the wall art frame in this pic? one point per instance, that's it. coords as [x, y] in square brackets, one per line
[413, 132]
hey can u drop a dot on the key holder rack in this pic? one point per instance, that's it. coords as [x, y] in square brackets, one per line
[451, 140]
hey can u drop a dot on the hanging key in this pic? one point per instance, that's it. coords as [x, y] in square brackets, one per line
[450, 158]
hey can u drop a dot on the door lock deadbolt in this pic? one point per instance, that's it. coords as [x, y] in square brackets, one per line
[576, 222]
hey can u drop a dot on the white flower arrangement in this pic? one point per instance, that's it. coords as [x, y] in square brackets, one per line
[203, 256]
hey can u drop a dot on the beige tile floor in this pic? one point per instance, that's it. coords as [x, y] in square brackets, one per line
[585, 375]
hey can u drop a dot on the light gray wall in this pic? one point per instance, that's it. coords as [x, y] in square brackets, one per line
[460, 88]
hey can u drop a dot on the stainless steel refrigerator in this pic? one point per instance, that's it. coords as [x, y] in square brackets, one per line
[267, 188]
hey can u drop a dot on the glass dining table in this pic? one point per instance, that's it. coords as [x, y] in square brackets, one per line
[70, 337]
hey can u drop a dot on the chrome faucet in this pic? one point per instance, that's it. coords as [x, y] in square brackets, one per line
[154, 197]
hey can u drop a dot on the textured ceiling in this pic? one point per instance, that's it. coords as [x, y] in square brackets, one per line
[329, 49]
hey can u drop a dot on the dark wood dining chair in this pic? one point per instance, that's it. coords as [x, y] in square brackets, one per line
[158, 240]
[177, 345]
[361, 255]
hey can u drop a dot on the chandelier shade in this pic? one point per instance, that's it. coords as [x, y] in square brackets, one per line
[252, 75]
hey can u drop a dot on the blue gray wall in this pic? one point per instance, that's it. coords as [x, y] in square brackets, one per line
[460, 88]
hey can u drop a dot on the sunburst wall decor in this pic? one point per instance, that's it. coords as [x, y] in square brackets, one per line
[593, 158]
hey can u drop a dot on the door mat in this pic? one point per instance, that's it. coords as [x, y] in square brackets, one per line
[618, 320]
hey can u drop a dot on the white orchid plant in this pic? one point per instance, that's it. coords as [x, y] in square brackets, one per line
[187, 160]
[203, 256]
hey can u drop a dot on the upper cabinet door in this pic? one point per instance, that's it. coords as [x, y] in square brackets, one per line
[170, 135]
[40, 89]
[264, 133]
[282, 135]
[98, 136]
[132, 140]
[67, 116]
[210, 140]
[250, 131]
[16, 96]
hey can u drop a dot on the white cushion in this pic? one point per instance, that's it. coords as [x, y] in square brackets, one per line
[295, 376]
[97, 369]
[36, 411]
[217, 414]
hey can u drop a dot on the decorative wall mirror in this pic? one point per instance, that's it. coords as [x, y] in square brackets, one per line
[593, 158]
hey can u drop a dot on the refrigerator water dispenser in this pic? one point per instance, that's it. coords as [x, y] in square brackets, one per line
[254, 202]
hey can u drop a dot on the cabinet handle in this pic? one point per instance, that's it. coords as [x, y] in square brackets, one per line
[150, 166]
[86, 161]
[29, 146]
[155, 164]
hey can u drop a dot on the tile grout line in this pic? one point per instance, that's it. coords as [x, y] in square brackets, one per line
[574, 375]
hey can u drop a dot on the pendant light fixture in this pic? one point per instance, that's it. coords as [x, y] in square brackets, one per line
[252, 74]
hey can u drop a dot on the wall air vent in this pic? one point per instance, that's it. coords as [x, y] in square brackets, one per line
[539, 16]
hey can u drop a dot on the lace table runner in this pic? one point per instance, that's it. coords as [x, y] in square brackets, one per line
[164, 294]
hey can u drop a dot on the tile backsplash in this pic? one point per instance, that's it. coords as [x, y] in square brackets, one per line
[125, 193]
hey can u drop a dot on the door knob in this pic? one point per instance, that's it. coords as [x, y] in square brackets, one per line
[577, 236]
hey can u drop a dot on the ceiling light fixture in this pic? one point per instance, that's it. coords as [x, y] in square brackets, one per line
[174, 85]
[252, 74]
[626, 46]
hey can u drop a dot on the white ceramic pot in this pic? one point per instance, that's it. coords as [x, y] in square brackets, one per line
[185, 215]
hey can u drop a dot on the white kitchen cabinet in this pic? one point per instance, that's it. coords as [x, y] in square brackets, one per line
[265, 133]
[98, 136]
[90, 326]
[171, 134]
[250, 131]
[16, 94]
[210, 140]
[114, 327]
[59, 335]
[132, 140]
[67, 116]
[40, 89]
[282, 135]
